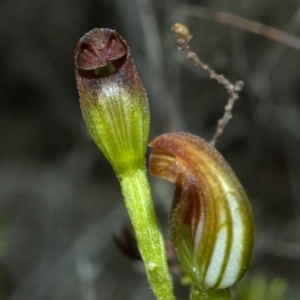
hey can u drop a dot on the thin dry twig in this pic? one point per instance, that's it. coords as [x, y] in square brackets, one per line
[183, 38]
[243, 23]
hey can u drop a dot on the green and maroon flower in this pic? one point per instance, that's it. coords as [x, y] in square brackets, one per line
[211, 220]
[113, 99]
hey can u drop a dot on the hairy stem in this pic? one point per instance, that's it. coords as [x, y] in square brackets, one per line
[138, 201]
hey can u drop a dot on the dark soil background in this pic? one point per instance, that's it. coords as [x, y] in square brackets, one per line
[60, 202]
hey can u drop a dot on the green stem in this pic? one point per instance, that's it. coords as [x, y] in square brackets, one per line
[197, 294]
[138, 201]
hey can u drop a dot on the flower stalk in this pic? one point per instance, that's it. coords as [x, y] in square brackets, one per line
[138, 202]
[115, 108]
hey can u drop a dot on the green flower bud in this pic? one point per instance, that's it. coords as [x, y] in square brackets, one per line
[112, 97]
[211, 220]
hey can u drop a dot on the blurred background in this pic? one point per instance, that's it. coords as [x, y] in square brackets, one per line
[60, 202]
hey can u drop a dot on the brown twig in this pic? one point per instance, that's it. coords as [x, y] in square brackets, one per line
[243, 23]
[183, 38]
